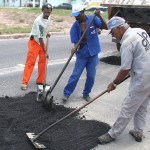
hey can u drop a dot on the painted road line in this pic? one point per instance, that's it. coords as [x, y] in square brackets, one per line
[20, 67]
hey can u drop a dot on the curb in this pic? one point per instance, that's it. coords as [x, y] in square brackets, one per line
[13, 36]
[25, 35]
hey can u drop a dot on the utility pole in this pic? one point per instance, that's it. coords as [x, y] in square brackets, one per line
[41, 3]
[33, 3]
[4, 2]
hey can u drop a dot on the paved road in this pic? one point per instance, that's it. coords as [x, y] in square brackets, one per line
[13, 55]
[105, 109]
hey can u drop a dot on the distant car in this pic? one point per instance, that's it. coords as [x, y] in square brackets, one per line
[29, 3]
[64, 6]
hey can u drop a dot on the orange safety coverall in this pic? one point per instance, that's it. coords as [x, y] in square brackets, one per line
[34, 50]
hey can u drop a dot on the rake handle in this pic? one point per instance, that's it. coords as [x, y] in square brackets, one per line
[73, 112]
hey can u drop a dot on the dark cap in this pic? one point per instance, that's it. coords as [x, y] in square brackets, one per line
[46, 5]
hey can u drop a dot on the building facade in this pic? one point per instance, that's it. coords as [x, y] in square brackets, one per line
[29, 3]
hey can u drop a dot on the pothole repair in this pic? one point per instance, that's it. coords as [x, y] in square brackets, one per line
[112, 60]
[20, 115]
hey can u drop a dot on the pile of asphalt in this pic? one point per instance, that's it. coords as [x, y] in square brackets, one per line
[20, 115]
[112, 60]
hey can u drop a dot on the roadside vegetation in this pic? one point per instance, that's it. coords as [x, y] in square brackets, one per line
[20, 20]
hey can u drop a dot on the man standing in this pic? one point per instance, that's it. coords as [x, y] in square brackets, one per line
[87, 53]
[135, 59]
[37, 47]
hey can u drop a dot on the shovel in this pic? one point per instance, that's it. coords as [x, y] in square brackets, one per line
[47, 97]
[33, 137]
[42, 88]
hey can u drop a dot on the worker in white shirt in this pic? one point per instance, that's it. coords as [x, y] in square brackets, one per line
[37, 47]
[135, 60]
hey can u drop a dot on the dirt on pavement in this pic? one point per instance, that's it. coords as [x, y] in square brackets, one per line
[19, 115]
[21, 19]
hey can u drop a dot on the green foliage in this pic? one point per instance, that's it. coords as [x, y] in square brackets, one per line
[59, 12]
[15, 30]
[27, 9]
[104, 14]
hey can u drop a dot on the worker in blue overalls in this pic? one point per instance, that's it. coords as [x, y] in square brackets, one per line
[87, 53]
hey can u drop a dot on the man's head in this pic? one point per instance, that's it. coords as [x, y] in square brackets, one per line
[117, 26]
[78, 12]
[46, 9]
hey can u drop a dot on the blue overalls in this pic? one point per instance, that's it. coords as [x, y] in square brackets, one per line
[86, 56]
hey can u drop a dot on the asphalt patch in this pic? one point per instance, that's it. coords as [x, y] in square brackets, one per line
[20, 115]
[113, 60]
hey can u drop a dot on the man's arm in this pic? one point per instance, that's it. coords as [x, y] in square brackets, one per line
[104, 24]
[43, 47]
[120, 76]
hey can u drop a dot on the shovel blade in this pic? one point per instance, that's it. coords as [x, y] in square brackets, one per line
[48, 101]
[39, 93]
[31, 136]
[47, 87]
[47, 97]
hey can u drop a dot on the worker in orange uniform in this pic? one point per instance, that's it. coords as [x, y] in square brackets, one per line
[37, 47]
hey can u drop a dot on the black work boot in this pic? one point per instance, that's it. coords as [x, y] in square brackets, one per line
[138, 136]
[87, 98]
[65, 98]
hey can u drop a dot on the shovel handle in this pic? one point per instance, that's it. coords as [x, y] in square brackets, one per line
[45, 74]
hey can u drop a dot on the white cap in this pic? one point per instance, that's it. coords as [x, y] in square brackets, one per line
[76, 9]
[114, 22]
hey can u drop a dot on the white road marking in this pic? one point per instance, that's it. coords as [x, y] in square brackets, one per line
[20, 67]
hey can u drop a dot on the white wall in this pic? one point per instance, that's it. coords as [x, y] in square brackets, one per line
[57, 2]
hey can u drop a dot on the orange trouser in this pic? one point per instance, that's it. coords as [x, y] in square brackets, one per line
[34, 50]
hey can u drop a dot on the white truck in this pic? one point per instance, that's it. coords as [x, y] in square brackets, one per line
[135, 12]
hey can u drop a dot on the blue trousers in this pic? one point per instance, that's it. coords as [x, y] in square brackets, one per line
[90, 64]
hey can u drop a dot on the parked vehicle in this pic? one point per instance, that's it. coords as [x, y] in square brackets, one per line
[63, 6]
[29, 3]
[136, 13]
